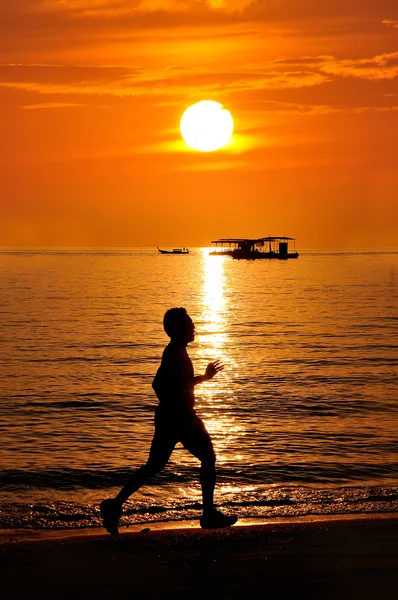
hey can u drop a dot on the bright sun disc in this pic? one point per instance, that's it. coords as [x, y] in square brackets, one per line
[206, 126]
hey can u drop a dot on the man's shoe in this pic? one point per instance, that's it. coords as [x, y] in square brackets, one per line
[111, 512]
[215, 519]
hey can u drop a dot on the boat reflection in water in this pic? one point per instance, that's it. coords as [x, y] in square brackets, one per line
[174, 251]
[266, 247]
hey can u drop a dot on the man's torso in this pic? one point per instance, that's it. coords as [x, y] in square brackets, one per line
[174, 380]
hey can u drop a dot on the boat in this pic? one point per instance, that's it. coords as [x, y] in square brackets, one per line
[174, 251]
[271, 247]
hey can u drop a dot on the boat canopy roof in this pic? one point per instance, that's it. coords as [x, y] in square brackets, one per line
[272, 238]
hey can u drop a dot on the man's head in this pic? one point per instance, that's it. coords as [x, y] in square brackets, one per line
[179, 326]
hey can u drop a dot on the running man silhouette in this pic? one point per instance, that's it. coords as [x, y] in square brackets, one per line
[175, 421]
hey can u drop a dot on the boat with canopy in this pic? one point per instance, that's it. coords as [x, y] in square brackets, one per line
[278, 247]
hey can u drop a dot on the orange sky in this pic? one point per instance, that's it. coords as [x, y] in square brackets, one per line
[92, 91]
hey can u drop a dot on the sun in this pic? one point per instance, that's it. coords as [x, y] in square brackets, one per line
[206, 126]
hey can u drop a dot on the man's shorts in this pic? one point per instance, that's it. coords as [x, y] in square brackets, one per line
[184, 427]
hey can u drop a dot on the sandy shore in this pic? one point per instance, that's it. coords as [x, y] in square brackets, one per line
[341, 558]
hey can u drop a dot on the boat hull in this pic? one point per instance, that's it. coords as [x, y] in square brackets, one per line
[174, 251]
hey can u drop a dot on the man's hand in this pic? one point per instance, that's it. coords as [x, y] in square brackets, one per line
[213, 368]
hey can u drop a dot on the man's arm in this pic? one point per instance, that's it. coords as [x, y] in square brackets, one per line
[212, 369]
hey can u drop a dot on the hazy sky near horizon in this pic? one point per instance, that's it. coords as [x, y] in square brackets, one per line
[92, 92]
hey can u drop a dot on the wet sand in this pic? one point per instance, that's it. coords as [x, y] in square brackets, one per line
[339, 558]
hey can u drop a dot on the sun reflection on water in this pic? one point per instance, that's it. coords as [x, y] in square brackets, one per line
[213, 329]
[213, 299]
[216, 397]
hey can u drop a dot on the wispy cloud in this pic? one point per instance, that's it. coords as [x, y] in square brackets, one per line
[109, 7]
[165, 85]
[130, 15]
[390, 23]
[53, 105]
[162, 82]
[384, 66]
[255, 8]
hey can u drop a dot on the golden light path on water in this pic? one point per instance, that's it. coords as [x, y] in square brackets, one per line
[215, 397]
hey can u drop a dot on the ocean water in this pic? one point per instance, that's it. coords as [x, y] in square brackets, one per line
[304, 418]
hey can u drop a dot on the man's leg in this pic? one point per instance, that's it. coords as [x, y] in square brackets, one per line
[197, 441]
[161, 448]
[207, 481]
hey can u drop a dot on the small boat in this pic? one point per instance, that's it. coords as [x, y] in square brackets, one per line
[267, 247]
[174, 251]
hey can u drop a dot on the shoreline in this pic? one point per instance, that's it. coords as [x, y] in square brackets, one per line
[21, 535]
[336, 557]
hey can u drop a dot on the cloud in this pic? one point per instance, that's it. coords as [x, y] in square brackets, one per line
[107, 7]
[390, 23]
[53, 105]
[118, 81]
[228, 6]
[137, 31]
[322, 109]
[163, 88]
[282, 9]
[384, 66]
[128, 15]
[62, 74]
[170, 84]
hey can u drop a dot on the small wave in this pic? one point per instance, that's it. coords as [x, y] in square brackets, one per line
[266, 503]
[331, 472]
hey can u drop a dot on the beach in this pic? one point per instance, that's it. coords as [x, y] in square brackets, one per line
[312, 558]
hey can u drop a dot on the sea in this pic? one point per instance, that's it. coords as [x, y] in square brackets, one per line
[304, 416]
